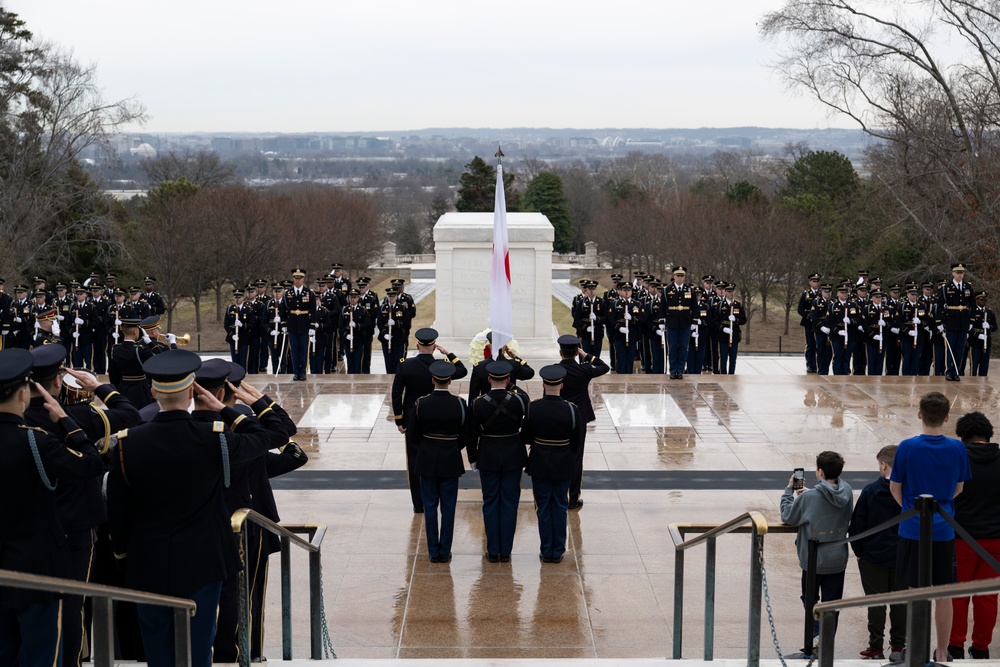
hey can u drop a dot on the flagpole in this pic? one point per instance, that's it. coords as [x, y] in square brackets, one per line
[501, 293]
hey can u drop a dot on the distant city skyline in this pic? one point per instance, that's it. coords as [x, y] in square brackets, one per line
[395, 66]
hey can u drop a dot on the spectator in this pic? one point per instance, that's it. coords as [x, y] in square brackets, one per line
[877, 560]
[975, 510]
[933, 464]
[822, 513]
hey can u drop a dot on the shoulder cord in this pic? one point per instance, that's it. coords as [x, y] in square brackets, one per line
[225, 459]
[38, 461]
[107, 429]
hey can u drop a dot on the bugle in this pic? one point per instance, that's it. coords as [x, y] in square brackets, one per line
[181, 340]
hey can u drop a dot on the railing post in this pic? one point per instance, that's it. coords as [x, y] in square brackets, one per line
[810, 598]
[827, 635]
[918, 620]
[103, 648]
[286, 599]
[756, 595]
[182, 637]
[243, 591]
[678, 602]
[315, 624]
[709, 598]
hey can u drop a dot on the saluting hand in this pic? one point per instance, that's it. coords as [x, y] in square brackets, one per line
[87, 381]
[52, 406]
[247, 393]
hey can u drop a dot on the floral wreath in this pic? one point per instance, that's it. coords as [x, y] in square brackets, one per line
[480, 348]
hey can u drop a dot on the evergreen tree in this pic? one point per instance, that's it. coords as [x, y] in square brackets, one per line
[478, 186]
[545, 195]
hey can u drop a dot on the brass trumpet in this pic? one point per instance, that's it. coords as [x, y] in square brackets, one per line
[181, 340]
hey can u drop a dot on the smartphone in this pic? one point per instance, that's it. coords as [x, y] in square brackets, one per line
[800, 479]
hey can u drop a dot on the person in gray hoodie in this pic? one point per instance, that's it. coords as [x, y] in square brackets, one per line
[822, 513]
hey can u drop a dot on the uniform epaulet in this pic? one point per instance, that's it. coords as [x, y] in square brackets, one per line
[122, 433]
[218, 427]
[33, 428]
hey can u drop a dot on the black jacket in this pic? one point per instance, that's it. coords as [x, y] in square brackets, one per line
[875, 505]
[497, 445]
[440, 426]
[553, 430]
[576, 386]
[976, 507]
[479, 380]
[413, 380]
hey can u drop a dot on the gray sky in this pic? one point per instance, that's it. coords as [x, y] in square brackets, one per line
[369, 65]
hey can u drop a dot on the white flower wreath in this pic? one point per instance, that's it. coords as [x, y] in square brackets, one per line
[480, 348]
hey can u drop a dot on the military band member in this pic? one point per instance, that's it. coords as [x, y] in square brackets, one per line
[413, 380]
[239, 324]
[552, 430]
[166, 508]
[45, 336]
[678, 301]
[730, 316]
[152, 297]
[876, 325]
[957, 302]
[298, 310]
[627, 314]
[497, 451]
[983, 322]
[894, 340]
[440, 426]
[125, 366]
[32, 539]
[394, 330]
[149, 329]
[588, 318]
[355, 326]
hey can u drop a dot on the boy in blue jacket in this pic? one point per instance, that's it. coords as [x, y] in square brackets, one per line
[877, 560]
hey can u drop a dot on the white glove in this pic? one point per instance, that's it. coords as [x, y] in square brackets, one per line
[353, 324]
[699, 322]
[986, 325]
[277, 319]
[76, 334]
[662, 328]
[911, 332]
[732, 318]
[877, 337]
[861, 328]
[350, 336]
[5, 332]
[593, 316]
[146, 339]
[916, 320]
[940, 328]
[847, 320]
[78, 321]
[61, 318]
[881, 323]
[391, 322]
[312, 334]
[118, 323]
[17, 320]
[894, 330]
[274, 333]
[694, 328]
[727, 330]
[171, 338]
[825, 330]
[627, 316]
[237, 323]
[623, 329]
[982, 336]
[115, 336]
[474, 466]
[842, 332]
[590, 329]
[284, 330]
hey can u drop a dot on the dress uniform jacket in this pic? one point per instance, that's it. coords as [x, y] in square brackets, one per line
[46, 338]
[363, 326]
[722, 313]
[441, 427]
[576, 385]
[583, 307]
[497, 444]
[31, 536]
[956, 305]
[297, 310]
[805, 304]
[126, 374]
[903, 320]
[479, 381]
[137, 309]
[166, 509]
[155, 302]
[22, 332]
[248, 321]
[400, 315]
[980, 315]
[678, 303]
[413, 380]
[552, 429]
[616, 316]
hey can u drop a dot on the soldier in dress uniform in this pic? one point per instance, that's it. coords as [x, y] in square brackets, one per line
[609, 297]
[710, 344]
[332, 301]
[5, 314]
[323, 319]
[279, 340]
[910, 316]
[135, 308]
[257, 330]
[626, 313]
[46, 320]
[816, 317]
[876, 324]
[679, 302]
[125, 366]
[149, 328]
[32, 539]
[110, 287]
[81, 329]
[341, 283]
[730, 316]
[929, 300]
[40, 305]
[644, 350]
[840, 323]
[152, 297]
[497, 451]
[99, 327]
[894, 340]
[413, 380]
[41, 285]
[860, 357]
[113, 320]
[265, 340]
[368, 301]
[239, 325]
[699, 355]
[406, 299]
[166, 508]
[983, 322]
[580, 369]
[354, 327]
[394, 330]
[656, 326]
[297, 311]
[588, 318]
[79, 502]
[957, 301]
[479, 377]
[553, 430]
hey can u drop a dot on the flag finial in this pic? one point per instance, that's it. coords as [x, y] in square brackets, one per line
[499, 155]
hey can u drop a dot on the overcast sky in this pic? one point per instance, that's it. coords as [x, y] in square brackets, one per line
[370, 65]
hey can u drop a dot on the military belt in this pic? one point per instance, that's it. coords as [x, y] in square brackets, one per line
[957, 307]
[500, 435]
[552, 443]
[438, 436]
[299, 312]
[678, 307]
[133, 378]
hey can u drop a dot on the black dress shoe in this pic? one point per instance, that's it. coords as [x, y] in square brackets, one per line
[434, 559]
[953, 377]
[491, 558]
[445, 559]
[505, 559]
[557, 559]
[575, 505]
[544, 559]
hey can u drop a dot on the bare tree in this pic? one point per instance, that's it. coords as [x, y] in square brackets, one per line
[201, 167]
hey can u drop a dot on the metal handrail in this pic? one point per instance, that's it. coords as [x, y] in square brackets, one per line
[289, 535]
[826, 612]
[101, 596]
[708, 533]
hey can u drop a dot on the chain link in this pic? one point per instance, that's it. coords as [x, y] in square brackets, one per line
[327, 642]
[241, 635]
[770, 614]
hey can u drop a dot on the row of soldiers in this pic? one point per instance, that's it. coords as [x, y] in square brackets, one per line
[295, 327]
[663, 326]
[913, 329]
[172, 480]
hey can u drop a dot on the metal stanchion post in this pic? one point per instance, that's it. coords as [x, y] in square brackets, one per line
[918, 623]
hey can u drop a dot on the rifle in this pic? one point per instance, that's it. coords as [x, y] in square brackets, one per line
[592, 321]
[880, 319]
[350, 326]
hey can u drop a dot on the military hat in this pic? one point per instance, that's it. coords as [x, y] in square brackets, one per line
[363, 280]
[213, 374]
[354, 292]
[442, 370]
[894, 287]
[261, 282]
[40, 293]
[111, 276]
[958, 266]
[80, 289]
[680, 270]
[151, 322]
[336, 266]
[48, 361]
[826, 287]
[927, 285]
[862, 287]
[238, 294]
[15, 366]
[568, 343]
[843, 287]
[250, 286]
[655, 283]
[131, 321]
[426, 336]
[721, 285]
[47, 315]
[730, 287]
[298, 273]
[697, 291]
[616, 275]
[286, 283]
[236, 373]
[96, 286]
[60, 286]
[40, 279]
[876, 293]
[864, 273]
[625, 285]
[119, 291]
[277, 285]
[149, 280]
[982, 294]
[874, 281]
[499, 370]
[391, 291]
[172, 371]
[73, 284]
[397, 281]
[911, 288]
[941, 283]
[552, 374]
[134, 290]
[814, 276]
[708, 278]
